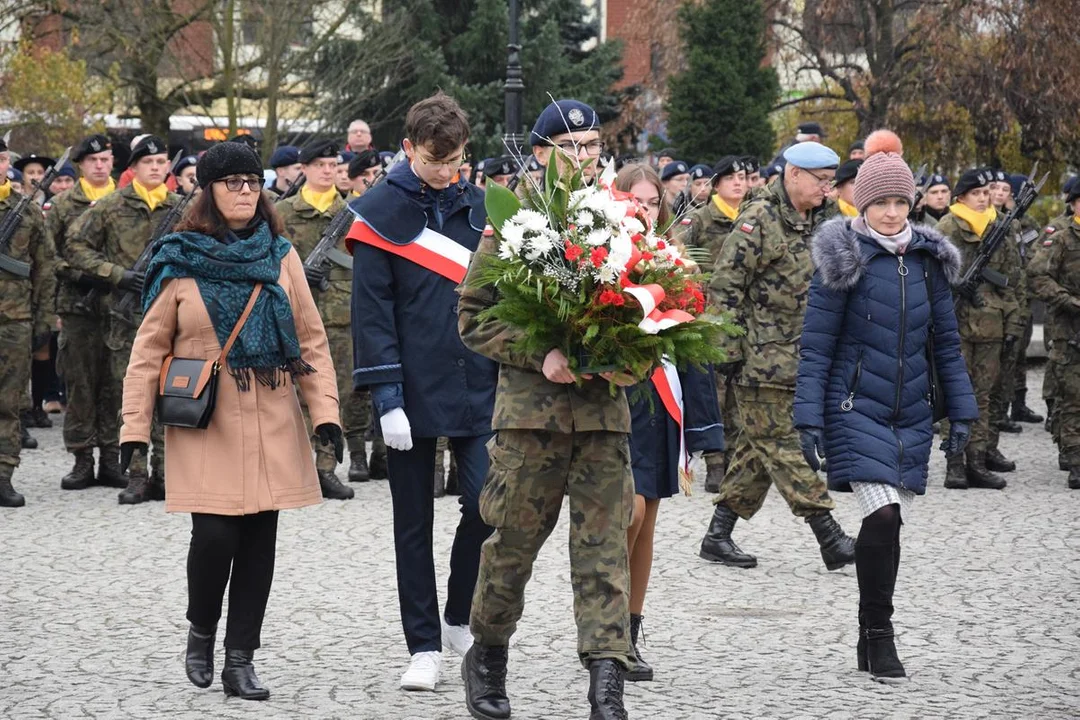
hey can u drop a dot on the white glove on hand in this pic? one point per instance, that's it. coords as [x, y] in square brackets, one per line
[396, 430]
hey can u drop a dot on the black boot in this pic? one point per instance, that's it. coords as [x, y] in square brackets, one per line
[156, 489]
[26, 440]
[199, 661]
[1021, 412]
[978, 476]
[238, 676]
[1074, 479]
[1063, 464]
[955, 475]
[837, 549]
[997, 462]
[377, 463]
[484, 673]
[860, 647]
[876, 568]
[332, 489]
[881, 659]
[109, 473]
[606, 690]
[358, 469]
[1008, 426]
[82, 475]
[642, 670]
[40, 418]
[715, 466]
[717, 545]
[137, 490]
[8, 496]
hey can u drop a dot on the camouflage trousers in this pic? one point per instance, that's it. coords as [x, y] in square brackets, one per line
[1001, 395]
[1050, 394]
[355, 406]
[1019, 382]
[15, 340]
[530, 472]
[1066, 420]
[83, 362]
[725, 394]
[119, 342]
[984, 366]
[767, 452]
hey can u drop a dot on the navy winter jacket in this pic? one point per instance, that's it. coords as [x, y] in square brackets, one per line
[863, 370]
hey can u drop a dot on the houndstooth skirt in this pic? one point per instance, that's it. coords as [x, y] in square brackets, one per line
[875, 495]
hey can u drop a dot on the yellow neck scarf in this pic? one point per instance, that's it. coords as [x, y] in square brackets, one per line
[152, 198]
[321, 201]
[1076, 218]
[93, 193]
[729, 212]
[847, 210]
[978, 221]
[5, 190]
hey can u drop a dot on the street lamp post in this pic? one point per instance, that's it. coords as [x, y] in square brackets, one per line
[514, 87]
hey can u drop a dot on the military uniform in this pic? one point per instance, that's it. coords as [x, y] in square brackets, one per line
[1029, 232]
[26, 313]
[1002, 394]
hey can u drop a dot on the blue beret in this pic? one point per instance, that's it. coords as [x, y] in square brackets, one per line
[67, 171]
[811, 156]
[532, 164]
[285, 155]
[1016, 183]
[999, 175]
[562, 117]
[700, 171]
[186, 162]
[1070, 184]
[938, 180]
[498, 166]
[673, 168]
[345, 157]
[14, 174]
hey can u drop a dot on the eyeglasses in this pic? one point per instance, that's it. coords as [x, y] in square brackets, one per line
[236, 184]
[822, 181]
[592, 149]
[448, 164]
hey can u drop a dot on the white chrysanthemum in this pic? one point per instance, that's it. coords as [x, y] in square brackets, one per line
[510, 249]
[531, 220]
[606, 273]
[512, 232]
[598, 237]
[633, 226]
[540, 244]
[578, 196]
[582, 219]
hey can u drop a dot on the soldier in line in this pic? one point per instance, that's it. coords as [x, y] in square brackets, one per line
[1029, 232]
[762, 276]
[306, 215]
[553, 438]
[185, 175]
[103, 245]
[675, 176]
[1054, 274]
[696, 194]
[363, 169]
[33, 167]
[845, 187]
[26, 318]
[935, 203]
[753, 172]
[986, 330]
[342, 180]
[285, 162]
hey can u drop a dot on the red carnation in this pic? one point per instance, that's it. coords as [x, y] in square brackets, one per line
[573, 252]
[597, 256]
[661, 245]
[646, 255]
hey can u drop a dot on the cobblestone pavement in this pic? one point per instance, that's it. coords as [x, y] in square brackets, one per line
[92, 599]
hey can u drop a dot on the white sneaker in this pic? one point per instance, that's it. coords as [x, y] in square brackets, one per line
[423, 672]
[457, 638]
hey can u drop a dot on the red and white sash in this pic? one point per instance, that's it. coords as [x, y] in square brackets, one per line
[666, 381]
[431, 250]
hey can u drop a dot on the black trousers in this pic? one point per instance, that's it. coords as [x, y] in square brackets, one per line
[245, 546]
[412, 478]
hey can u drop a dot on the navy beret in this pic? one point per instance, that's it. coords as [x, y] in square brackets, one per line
[149, 145]
[999, 175]
[317, 150]
[31, 159]
[971, 179]
[67, 171]
[811, 128]
[938, 180]
[673, 168]
[227, 158]
[1071, 188]
[750, 164]
[246, 139]
[666, 153]
[562, 117]
[90, 146]
[285, 155]
[847, 171]
[363, 161]
[14, 174]
[857, 145]
[728, 165]
[1016, 183]
[345, 157]
[386, 156]
[811, 156]
[700, 171]
[186, 162]
[499, 166]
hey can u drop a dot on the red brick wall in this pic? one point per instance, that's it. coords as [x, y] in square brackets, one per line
[635, 59]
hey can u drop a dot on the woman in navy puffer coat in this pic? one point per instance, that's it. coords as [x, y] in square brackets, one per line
[862, 398]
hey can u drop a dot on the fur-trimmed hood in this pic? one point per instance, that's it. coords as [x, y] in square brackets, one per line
[841, 258]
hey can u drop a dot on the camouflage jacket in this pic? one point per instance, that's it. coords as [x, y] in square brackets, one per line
[61, 213]
[304, 225]
[707, 228]
[762, 277]
[1054, 274]
[1000, 314]
[524, 398]
[29, 299]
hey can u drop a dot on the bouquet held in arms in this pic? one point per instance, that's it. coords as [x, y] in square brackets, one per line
[580, 268]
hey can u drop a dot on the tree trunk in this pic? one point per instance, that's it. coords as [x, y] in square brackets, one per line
[153, 110]
[228, 67]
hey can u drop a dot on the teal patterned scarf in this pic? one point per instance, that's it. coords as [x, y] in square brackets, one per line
[226, 273]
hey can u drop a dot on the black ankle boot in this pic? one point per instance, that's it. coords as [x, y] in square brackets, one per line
[881, 659]
[837, 549]
[358, 468]
[717, 546]
[996, 462]
[876, 568]
[979, 476]
[238, 676]
[606, 690]
[26, 440]
[484, 673]
[199, 661]
[332, 489]
[642, 671]
[377, 467]
[8, 496]
[1074, 479]
[1021, 412]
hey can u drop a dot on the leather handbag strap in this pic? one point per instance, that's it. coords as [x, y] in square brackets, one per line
[239, 324]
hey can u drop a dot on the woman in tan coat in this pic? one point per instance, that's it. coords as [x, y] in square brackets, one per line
[254, 458]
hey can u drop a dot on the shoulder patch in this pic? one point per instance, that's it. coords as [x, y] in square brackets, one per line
[747, 227]
[1049, 229]
[685, 221]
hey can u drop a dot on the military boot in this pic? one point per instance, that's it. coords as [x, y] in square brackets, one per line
[484, 673]
[26, 440]
[8, 496]
[837, 549]
[997, 462]
[40, 418]
[358, 468]
[715, 466]
[137, 490]
[82, 475]
[332, 489]
[642, 670]
[1008, 426]
[109, 474]
[606, 690]
[717, 545]
[1063, 464]
[1021, 412]
[377, 465]
[156, 489]
[955, 476]
[978, 476]
[1074, 478]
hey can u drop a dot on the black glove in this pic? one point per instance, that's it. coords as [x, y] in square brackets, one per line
[315, 276]
[330, 433]
[127, 451]
[729, 369]
[959, 434]
[970, 292]
[132, 281]
[812, 441]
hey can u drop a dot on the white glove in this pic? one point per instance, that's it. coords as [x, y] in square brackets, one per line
[396, 430]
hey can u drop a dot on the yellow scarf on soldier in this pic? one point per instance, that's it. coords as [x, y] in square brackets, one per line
[321, 201]
[978, 221]
[845, 209]
[729, 212]
[152, 198]
[5, 190]
[93, 193]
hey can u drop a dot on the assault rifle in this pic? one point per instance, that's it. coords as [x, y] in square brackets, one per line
[325, 254]
[11, 222]
[920, 192]
[978, 271]
[294, 187]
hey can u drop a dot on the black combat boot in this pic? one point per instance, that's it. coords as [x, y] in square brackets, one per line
[377, 463]
[484, 673]
[332, 489]
[837, 549]
[8, 496]
[955, 477]
[715, 467]
[26, 440]
[1008, 426]
[40, 418]
[156, 489]
[642, 670]
[978, 476]
[82, 475]
[109, 473]
[996, 462]
[1074, 479]
[606, 690]
[452, 487]
[1021, 412]
[199, 661]
[1063, 464]
[717, 545]
[137, 490]
[358, 469]
[238, 676]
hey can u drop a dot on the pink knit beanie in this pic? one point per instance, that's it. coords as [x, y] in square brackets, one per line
[884, 172]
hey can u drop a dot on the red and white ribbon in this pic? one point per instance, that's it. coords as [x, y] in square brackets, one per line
[649, 297]
[431, 250]
[666, 381]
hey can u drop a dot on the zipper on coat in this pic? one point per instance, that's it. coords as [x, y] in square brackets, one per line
[849, 404]
[902, 270]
